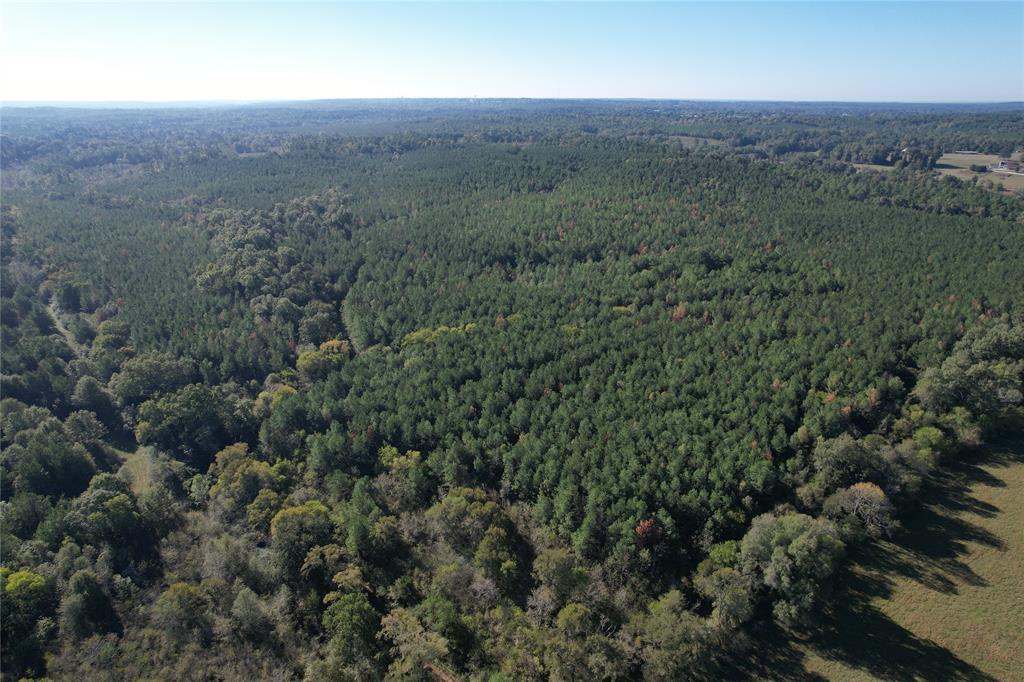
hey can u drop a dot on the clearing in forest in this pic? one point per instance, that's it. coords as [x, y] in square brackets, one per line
[960, 166]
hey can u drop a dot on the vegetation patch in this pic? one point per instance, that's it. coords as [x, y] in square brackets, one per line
[650, 397]
[974, 168]
[942, 599]
[429, 336]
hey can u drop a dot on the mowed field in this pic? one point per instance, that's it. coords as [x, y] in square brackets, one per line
[943, 601]
[960, 166]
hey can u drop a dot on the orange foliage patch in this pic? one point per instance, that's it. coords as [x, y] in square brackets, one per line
[647, 533]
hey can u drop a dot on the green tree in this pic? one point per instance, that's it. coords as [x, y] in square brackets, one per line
[145, 376]
[108, 513]
[293, 532]
[86, 609]
[496, 558]
[358, 519]
[182, 614]
[416, 651]
[557, 570]
[575, 650]
[352, 649]
[83, 427]
[89, 394]
[793, 556]
[46, 462]
[251, 619]
[463, 516]
[674, 643]
[195, 421]
[28, 598]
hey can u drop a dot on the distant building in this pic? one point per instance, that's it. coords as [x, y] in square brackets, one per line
[1007, 166]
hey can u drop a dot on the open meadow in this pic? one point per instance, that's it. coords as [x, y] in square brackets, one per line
[942, 600]
[959, 165]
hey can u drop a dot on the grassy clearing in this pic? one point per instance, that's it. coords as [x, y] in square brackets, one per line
[873, 166]
[1009, 183]
[943, 601]
[967, 160]
[688, 141]
[960, 166]
[693, 141]
[139, 467]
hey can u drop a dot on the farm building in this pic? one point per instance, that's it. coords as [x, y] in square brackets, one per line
[1007, 166]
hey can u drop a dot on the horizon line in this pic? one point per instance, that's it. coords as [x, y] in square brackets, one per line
[72, 103]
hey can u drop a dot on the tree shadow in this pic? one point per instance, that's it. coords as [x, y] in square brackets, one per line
[771, 655]
[929, 549]
[934, 536]
[860, 635]
[950, 487]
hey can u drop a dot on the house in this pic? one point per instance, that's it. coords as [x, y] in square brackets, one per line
[1007, 166]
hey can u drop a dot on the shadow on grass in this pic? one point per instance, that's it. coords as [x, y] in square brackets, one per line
[860, 636]
[935, 536]
[930, 550]
[770, 655]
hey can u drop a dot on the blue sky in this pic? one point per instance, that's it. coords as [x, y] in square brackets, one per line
[874, 51]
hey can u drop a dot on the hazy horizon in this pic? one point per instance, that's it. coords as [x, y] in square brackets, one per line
[199, 53]
[99, 104]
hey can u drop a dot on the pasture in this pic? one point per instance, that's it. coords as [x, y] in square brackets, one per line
[944, 600]
[959, 165]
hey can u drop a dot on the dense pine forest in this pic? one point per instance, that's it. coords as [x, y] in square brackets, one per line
[482, 390]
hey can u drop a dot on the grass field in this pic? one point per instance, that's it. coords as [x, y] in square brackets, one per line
[692, 141]
[138, 465]
[943, 601]
[873, 166]
[960, 166]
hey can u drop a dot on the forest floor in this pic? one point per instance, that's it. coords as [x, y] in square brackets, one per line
[944, 600]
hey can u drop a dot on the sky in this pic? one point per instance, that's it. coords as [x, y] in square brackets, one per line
[196, 51]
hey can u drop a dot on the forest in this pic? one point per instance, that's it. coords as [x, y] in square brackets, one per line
[479, 390]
